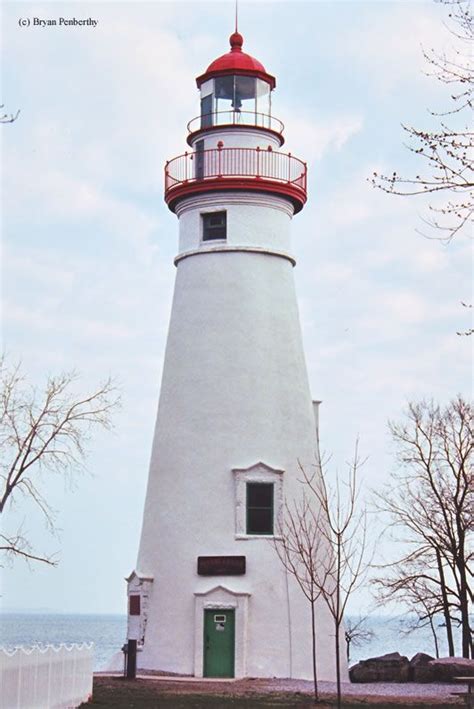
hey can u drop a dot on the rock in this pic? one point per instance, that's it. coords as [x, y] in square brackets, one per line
[420, 670]
[392, 667]
[446, 668]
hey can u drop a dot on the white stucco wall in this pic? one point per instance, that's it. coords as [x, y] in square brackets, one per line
[252, 220]
[234, 394]
[238, 137]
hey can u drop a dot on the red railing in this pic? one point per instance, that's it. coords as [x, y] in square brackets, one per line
[227, 163]
[235, 118]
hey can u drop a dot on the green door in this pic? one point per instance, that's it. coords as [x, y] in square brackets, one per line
[219, 627]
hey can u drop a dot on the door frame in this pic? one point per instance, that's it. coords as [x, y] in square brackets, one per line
[221, 598]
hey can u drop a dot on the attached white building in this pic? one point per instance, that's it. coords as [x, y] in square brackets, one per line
[209, 596]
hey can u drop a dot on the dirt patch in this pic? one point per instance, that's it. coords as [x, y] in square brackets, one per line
[120, 693]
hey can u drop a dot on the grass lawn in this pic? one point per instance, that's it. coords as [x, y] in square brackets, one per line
[120, 693]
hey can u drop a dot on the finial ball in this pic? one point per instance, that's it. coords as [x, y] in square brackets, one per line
[236, 41]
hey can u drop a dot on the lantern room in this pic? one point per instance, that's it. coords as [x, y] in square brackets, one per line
[235, 140]
[236, 90]
[234, 94]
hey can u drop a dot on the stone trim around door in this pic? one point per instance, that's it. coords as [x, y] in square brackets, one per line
[220, 598]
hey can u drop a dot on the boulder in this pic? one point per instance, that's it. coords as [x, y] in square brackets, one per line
[392, 667]
[446, 668]
[420, 670]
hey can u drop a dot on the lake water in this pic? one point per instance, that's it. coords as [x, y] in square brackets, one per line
[107, 632]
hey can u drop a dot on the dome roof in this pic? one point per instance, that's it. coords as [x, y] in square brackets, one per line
[236, 62]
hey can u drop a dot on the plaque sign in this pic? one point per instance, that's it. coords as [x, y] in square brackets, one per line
[221, 565]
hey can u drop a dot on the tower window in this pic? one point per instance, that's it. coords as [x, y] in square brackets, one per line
[259, 508]
[214, 226]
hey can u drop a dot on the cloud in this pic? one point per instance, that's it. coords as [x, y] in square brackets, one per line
[405, 307]
[389, 43]
[313, 138]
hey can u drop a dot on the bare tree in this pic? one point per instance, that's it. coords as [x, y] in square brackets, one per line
[430, 499]
[356, 632]
[469, 331]
[410, 583]
[343, 527]
[299, 546]
[43, 432]
[8, 117]
[446, 152]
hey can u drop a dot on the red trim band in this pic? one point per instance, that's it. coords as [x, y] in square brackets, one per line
[296, 195]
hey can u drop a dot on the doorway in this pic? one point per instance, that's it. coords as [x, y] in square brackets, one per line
[219, 642]
[199, 159]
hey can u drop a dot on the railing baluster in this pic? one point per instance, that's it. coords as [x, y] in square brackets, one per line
[249, 118]
[219, 151]
[224, 162]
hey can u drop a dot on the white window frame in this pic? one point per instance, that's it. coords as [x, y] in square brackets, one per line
[258, 473]
[205, 213]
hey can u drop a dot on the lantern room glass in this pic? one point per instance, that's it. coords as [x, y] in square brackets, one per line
[263, 103]
[235, 99]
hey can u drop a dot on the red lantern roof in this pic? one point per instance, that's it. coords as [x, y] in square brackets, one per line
[236, 62]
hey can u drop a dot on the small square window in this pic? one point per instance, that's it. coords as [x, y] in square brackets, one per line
[214, 226]
[259, 508]
[134, 605]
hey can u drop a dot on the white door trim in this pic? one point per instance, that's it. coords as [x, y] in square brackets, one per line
[220, 598]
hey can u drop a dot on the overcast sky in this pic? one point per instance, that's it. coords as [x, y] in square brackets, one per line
[88, 243]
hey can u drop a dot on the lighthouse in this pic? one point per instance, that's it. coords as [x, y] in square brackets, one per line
[209, 596]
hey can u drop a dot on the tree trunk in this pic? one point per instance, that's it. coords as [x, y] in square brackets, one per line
[444, 595]
[313, 635]
[338, 667]
[337, 620]
[461, 564]
[435, 637]
[464, 608]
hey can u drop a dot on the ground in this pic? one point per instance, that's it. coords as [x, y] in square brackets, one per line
[148, 693]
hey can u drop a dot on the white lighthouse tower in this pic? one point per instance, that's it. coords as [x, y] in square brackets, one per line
[209, 596]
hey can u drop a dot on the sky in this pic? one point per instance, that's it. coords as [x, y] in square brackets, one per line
[88, 242]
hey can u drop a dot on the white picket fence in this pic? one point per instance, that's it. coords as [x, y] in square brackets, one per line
[46, 677]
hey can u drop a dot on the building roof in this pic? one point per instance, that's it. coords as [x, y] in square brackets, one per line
[236, 62]
[139, 575]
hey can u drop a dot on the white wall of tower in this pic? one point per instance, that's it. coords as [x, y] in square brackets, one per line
[253, 219]
[238, 137]
[235, 405]
[234, 393]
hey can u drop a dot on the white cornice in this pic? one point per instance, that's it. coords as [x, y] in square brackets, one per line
[258, 466]
[221, 588]
[138, 575]
[233, 249]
